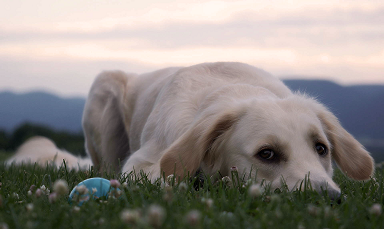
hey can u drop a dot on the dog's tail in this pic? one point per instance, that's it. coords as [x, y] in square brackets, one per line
[43, 151]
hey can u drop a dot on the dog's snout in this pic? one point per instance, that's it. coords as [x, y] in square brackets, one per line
[332, 194]
[323, 187]
[329, 189]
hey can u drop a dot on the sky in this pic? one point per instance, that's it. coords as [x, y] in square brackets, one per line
[60, 46]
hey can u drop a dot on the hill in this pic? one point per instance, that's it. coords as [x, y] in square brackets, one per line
[360, 109]
[40, 108]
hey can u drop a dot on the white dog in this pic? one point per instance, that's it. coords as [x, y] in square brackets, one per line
[212, 117]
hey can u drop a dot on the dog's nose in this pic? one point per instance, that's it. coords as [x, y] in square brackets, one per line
[327, 188]
[333, 194]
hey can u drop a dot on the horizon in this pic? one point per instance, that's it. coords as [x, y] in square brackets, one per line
[61, 46]
[64, 96]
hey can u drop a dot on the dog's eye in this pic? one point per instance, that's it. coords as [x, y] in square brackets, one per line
[267, 154]
[321, 149]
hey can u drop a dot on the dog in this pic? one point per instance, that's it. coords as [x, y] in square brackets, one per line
[210, 117]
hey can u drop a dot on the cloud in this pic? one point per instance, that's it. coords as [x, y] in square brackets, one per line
[321, 27]
[343, 40]
[339, 34]
[66, 77]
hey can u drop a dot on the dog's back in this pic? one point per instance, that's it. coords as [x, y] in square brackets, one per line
[43, 151]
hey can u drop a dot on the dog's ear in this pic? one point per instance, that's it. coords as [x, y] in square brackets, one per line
[349, 154]
[197, 143]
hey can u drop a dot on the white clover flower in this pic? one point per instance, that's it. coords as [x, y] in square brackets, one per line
[29, 193]
[83, 198]
[76, 209]
[225, 214]
[125, 184]
[114, 183]
[227, 181]
[183, 186]
[156, 215]
[234, 169]
[101, 221]
[376, 209]
[255, 190]
[38, 193]
[163, 184]
[300, 226]
[52, 197]
[82, 189]
[118, 193]
[32, 188]
[45, 190]
[208, 202]
[170, 179]
[29, 207]
[312, 210]
[193, 218]
[60, 187]
[130, 216]
[115, 193]
[168, 195]
[15, 195]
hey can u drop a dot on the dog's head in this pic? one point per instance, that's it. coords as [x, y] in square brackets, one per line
[274, 139]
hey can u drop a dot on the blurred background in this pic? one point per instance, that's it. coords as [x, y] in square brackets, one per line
[50, 52]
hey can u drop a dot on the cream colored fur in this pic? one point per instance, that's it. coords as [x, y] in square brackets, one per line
[214, 116]
[43, 151]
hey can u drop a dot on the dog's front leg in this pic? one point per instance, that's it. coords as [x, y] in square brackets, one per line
[144, 162]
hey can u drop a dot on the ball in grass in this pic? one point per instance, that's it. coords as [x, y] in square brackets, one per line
[96, 187]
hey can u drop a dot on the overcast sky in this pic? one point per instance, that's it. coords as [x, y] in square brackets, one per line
[60, 45]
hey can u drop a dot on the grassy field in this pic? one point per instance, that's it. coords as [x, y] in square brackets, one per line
[211, 205]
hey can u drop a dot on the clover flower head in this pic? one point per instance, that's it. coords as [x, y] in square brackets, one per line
[130, 216]
[114, 183]
[52, 197]
[193, 218]
[82, 189]
[60, 187]
[183, 186]
[29, 207]
[45, 190]
[38, 193]
[255, 190]
[156, 215]
[376, 209]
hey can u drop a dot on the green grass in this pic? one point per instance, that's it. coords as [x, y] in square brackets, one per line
[4, 155]
[232, 206]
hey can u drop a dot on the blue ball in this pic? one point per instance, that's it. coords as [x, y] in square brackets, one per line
[97, 187]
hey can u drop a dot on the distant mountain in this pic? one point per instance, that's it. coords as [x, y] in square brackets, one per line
[40, 108]
[359, 108]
